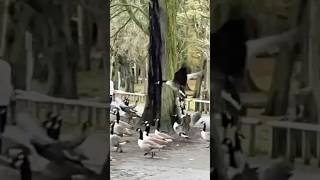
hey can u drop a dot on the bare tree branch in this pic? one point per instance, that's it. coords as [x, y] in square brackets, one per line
[131, 5]
[134, 18]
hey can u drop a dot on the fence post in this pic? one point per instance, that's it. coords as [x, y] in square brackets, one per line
[252, 139]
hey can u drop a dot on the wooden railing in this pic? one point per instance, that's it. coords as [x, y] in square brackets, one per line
[204, 104]
[37, 103]
[292, 130]
[291, 140]
[132, 96]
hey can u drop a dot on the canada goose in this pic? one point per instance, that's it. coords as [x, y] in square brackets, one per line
[230, 154]
[185, 122]
[227, 120]
[195, 117]
[162, 134]
[53, 126]
[115, 140]
[204, 134]
[126, 101]
[70, 142]
[120, 129]
[57, 152]
[153, 137]
[52, 170]
[236, 158]
[147, 145]
[122, 123]
[178, 129]
[237, 138]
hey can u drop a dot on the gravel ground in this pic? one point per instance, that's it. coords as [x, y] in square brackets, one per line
[182, 159]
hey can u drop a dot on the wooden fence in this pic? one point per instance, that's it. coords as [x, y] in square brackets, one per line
[204, 104]
[292, 140]
[37, 103]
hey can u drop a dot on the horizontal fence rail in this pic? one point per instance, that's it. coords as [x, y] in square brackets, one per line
[39, 103]
[204, 104]
[297, 135]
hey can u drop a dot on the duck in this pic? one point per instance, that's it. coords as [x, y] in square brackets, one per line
[153, 137]
[162, 134]
[178, 129]
[204, 134]
[147, 145]
[115, 140]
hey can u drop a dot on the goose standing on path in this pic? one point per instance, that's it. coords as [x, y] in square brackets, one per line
[162, 134]
[115, 140]
[51, 171]
[147, 145]
[178, 129]
[152, 137]
[204, 134]
[53, 126]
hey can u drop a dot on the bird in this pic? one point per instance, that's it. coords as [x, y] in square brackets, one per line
[195, 117]
[122, 123]
[153, 137]
[185, 122]
[238, 137]
[178, 129]
[126, 101]
[70, 141]
[235, 156]
[121, 129]
[227, 120]
[51, 171]
[57, 152]
[147, 145]
[162, 134]
[53, 126]
[230, 153]
[204, 134]
[115, 140]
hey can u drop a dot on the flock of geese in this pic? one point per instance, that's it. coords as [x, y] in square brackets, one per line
[41, 152]
[229, 160]
[149, 141]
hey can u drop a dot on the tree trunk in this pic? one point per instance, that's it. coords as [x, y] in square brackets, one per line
[4, 26]
[84, 26]
[15, 51]
[153, 103]
[279, 94]
[63, 64]
[247, 84]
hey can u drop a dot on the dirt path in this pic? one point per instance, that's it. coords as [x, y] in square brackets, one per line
[189, 160]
